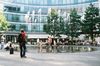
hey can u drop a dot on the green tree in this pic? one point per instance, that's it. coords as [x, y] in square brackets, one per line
[62, 25]
[74, 24]
[54, 25]
[67, 29]
[90, 20]
[3, 22]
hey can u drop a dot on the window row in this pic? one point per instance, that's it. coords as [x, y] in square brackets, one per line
[21, 18]
[46, 2]
[26, 27]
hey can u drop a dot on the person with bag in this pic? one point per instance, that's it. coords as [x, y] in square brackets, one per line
[22, 43]
[11, 48]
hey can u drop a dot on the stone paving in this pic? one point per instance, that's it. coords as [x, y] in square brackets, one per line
[50, 59]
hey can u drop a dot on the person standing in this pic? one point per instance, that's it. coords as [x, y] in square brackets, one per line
[2, 41]
[50, 42]
[22, 44]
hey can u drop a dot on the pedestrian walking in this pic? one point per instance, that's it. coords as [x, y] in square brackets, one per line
[22, 43]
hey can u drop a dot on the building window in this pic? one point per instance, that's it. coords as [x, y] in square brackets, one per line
[10, 17]
[64, 1]
[12, 9]
[23, 27]
[75, 1]
[68, 1]
[15, 18]
[12, 27]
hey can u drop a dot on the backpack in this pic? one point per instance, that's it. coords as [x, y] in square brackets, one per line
[19, 39]
[23, 36]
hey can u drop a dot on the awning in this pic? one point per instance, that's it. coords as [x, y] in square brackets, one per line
[42, 36]
[38, 36]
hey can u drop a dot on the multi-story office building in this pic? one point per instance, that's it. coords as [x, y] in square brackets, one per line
[31, 15]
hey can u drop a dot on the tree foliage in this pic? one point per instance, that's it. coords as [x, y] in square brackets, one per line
[55, 24]
[3, 22]
[74, 23]
[90, 20]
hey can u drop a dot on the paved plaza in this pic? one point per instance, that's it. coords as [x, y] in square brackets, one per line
[50, 59]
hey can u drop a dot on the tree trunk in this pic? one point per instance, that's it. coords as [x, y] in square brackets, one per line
[72, 40]
[92, 34]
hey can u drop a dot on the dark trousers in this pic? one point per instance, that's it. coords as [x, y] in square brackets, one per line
[22, 49]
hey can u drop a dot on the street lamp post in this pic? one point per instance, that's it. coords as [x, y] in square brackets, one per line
[32, 18]
[39, 12]
[29, 18]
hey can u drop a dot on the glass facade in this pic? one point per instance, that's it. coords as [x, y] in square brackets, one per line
[31, 15]
[50, 2]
